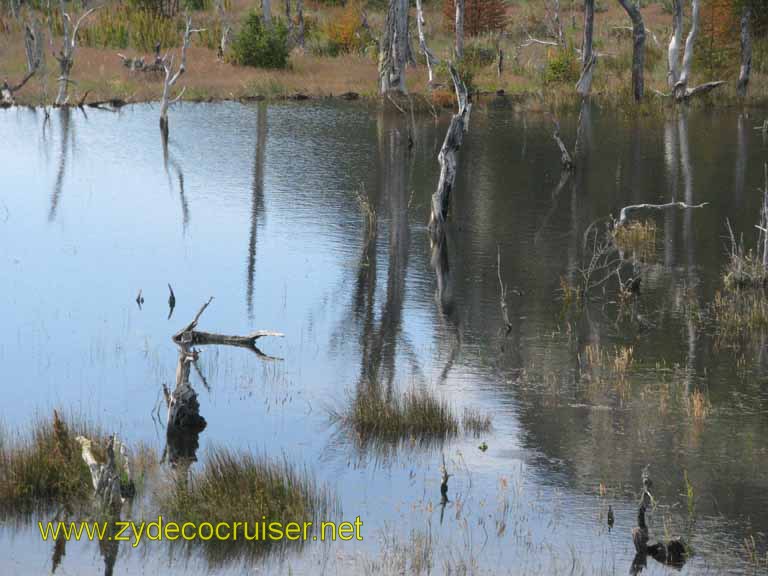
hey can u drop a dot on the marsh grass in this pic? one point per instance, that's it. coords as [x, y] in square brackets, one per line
[378, 416]
[43, 467]
[638, 238]
[697, 406]
[475, 422]
[739, 313]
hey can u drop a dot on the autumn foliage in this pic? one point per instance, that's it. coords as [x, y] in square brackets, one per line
[479, 16]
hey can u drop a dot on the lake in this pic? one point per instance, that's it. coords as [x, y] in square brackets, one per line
[257, 205]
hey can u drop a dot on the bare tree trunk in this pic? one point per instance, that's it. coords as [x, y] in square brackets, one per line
[67, 53]
[682, 84]
[638, 51]
[459, 29]
[394, 48]
[172, 77]
[431, 60]
[441, 199]
[300, 23]
[746, 51]
[673, 52]
[266, 10]
[588, 57]
[34, 58]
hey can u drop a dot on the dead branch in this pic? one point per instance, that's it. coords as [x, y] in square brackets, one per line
[172, 77]
[502, 293]
[624, 214]
[566, 160]
[67, 53]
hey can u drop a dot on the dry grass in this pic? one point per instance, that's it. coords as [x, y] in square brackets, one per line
[475, 422]
[738, 313]
[639, 238]
[697, 405]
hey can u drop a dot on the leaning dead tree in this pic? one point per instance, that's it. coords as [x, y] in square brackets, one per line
[66, 55]
[171, 76]
[746, 51]
[430, 57]
[393, 52]
[34, 58]
[638, 49]
[441, 199]
[681, 91]
[459, 25]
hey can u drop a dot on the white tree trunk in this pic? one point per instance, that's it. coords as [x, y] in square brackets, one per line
[746, 52]
[394, 48]
[67, 53]
[685, 73]
[459, 29]
[431, 60]
[673, 52]
[172, 77]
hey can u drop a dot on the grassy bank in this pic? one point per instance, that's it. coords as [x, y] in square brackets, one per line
[340, 56]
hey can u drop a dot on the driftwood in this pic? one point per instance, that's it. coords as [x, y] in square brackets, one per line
[566, 160]
[393, 52]
[746, 51]
[638, 50]
[624, 214]
[430, 57]
[66, 56]
[105, 476]
[172, 77]
[441, 199]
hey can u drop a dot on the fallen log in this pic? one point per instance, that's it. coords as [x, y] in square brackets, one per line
[624, 214]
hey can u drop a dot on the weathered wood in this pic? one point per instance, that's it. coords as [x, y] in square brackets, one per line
[459, 29]
[682, 84]
[393, 52]
[104, 476]
[502, 293]
[624, 214]
[676, 40]
[589, 28]
[428, 55]
[172, 77]
[441, 199]
[66, 56]
[638, 49]
[584, 85]
[746, 51]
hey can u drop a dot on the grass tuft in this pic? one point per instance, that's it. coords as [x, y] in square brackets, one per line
[638, 238]
[475, 422]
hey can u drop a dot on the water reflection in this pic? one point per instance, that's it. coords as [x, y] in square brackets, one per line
[257, 200]
[64, 145]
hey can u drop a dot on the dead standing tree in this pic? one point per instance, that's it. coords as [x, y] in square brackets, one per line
[172, 77]
[638, 50]
[673, 51]
[34, 58]
[746, 51]
[588, 56]
[459, 48]
[66, 56]
[441, 199]
[393, 53]
[430, 57]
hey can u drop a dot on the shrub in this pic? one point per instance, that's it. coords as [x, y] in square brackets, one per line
[347, 33]
[561, 67]
[261, 47]
[479, 16]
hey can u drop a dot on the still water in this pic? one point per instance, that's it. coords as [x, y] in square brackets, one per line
[257, 206]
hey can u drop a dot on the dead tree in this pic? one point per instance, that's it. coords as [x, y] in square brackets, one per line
[172, 77]
[441, 199]
[105, 476]
[625, 212]
[430, 57]
[266, 10]
[300, 23]
[566, 160]
[66, 56]
[588, 56]
[681, 90]
[459, 49]
[34, 58]
[673, 52]
[638, 50]
[226, 29]
[393, 53]
[746, 51]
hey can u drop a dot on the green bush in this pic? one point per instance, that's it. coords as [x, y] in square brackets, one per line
[260, 47]
[561, 67]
